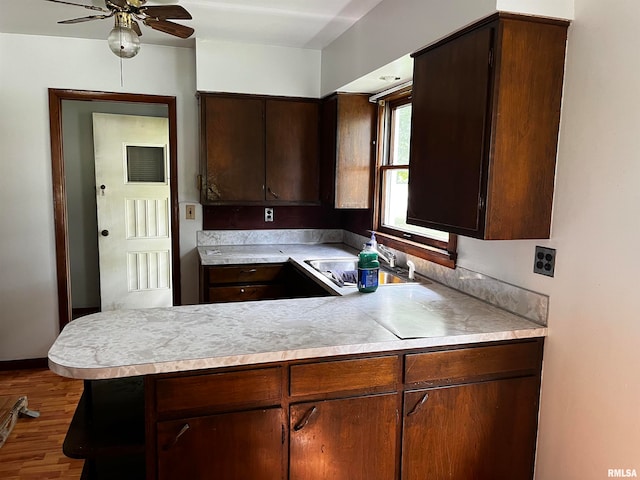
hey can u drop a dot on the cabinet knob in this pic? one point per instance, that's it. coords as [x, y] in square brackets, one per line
[104, 233]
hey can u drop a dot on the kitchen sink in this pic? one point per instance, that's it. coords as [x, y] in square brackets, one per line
[333, 268]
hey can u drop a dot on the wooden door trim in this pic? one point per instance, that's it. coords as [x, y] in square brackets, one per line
[63, 272]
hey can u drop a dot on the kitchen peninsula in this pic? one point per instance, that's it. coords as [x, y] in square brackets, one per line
[313, 388]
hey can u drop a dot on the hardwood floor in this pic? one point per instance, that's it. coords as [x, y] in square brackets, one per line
[33, 451]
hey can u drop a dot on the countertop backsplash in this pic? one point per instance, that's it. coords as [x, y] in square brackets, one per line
[209, 238]
[520, 301]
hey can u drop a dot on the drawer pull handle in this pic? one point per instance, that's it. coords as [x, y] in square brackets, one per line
[246, 272]
[305, 419]
[182, 431]
[418, 405]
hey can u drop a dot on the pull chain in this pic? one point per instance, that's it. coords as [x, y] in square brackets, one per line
[120, 56]
[121, 79]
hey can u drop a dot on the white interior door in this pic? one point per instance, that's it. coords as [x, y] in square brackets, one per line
[134, 229]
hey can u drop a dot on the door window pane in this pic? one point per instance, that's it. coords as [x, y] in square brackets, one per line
[145, 164]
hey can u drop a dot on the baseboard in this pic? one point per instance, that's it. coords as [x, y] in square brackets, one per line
[27, 363]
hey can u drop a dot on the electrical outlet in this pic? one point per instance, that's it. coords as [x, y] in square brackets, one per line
[544, 262]
[268, 214]
[190, 212]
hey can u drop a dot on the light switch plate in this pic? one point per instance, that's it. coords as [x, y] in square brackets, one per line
[190, 212]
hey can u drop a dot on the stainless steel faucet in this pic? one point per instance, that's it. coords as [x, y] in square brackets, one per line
[387, 255]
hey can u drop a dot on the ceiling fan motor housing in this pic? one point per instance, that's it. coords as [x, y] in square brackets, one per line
[123, 20]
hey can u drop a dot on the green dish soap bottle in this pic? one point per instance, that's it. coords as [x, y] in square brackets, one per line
[368, 268]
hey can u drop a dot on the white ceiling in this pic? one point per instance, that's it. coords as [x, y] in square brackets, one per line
[292, 23]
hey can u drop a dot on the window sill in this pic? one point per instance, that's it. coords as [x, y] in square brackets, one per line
[441, 257]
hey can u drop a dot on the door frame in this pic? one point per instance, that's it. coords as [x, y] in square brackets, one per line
[63, 269]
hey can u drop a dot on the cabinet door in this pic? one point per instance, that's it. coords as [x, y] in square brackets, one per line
[449, 125]
[292, 151]
[345, 439]
[231, 446]
[484, 431]
[233, 130]
[355, 134]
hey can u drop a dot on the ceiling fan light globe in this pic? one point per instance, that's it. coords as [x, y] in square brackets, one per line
[124, 42]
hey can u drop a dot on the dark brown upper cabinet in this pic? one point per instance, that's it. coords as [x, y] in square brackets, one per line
[259, 150]
[486, 112]
[348, 142]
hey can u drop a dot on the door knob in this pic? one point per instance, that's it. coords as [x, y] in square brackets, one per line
[104, 233]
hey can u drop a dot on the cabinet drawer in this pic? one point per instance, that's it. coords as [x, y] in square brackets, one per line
[246, 273]
[345, 375]
[241, 293]
[219, 391]
[452, 365]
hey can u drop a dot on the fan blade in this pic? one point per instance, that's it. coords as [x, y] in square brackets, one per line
[171, 28]
[136, 28]
[90, 7]
[167, 12]
[84, 19]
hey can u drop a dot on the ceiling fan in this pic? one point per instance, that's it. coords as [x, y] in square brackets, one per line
[123, 39]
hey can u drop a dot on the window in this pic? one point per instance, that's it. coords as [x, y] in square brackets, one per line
[394, 117]
[145, 164]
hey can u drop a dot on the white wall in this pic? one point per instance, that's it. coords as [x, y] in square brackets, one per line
[258, 69]
[545, 8]
[395, 28]
[391, 30]
[29, 65]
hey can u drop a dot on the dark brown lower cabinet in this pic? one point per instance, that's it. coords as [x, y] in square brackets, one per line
[230, 446]
[465, 412]
[347, 439]
[480, 431]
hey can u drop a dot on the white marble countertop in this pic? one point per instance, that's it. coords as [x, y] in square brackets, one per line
[141, 342]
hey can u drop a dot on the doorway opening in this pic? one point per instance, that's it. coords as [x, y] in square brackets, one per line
[73, 281]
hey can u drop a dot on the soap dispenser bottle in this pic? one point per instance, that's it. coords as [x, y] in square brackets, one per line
[368, 268]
